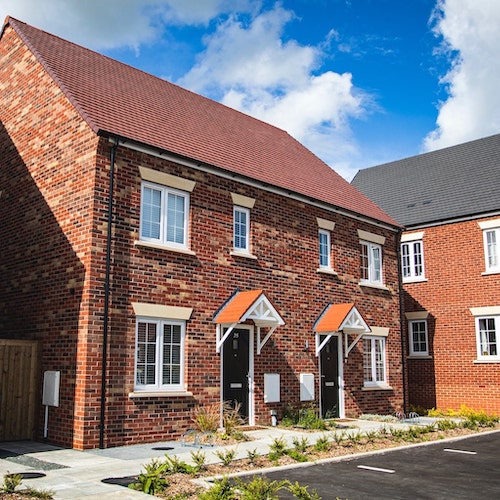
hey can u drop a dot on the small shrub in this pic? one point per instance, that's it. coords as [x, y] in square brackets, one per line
[301, 492]
[322, 444]
[36, 493]
[200, 459]
[446, 424]
[221, 490]
[252, 456]
[206, 418]
[278, 446]
[371, 436]
[260, 489]
[175, 466]
[225, 456]
[301, 445]
[11, 482]
[232, 417]
[153, 479]
[339, 437]
[296, 455]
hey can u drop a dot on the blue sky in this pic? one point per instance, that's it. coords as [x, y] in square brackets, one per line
[359, 82]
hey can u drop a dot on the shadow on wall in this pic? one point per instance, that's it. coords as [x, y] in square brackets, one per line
[41, 285]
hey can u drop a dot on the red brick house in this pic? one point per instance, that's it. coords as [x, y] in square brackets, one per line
[449, 203]
[162, 251]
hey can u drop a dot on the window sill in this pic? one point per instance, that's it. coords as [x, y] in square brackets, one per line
[245, 255]
[486, 361]
[159, 246]
[414, 280]
[327, 270]
[377, 388]
[412, 356]
[159, 394]
[488, 273]
[373, 285]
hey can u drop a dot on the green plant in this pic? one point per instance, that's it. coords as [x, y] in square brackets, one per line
[36, 493]
[446, 424]
[200, 459]
[260, 489]
[11, 482]
[252, 456]
[225, 456]
[153, 479]
[278, 446]
[173, 466]
[206, 418]
[322, 444]
[221, 490]
[301, 445]
[355, 438]
[296, 455]
[371, 436]
[301, 492]
[339, 437]
[231, 417]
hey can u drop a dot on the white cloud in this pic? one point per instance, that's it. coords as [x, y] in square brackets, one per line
[250, 68]
[109, 24]
[469, 29]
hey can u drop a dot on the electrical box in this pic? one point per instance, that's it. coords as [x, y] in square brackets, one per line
[51, 388]
[271, 387]
[307, 386]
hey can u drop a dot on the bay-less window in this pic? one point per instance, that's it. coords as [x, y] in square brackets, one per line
[241, 232]
[159, 363]
[324, 249]
[418, 338]
[412, 260]
[492, 249]
[374, 366]
[164, 215]
[488, 337]
[371, 262]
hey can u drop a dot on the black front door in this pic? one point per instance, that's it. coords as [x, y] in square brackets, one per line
[236, 366]
[330, 379]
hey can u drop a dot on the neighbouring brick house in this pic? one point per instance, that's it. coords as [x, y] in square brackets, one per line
[197, 254]
[449, 202]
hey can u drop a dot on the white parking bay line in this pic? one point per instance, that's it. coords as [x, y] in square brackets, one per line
[376, 469]
[451, 450]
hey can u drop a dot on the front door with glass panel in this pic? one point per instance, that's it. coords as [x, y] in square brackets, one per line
[329, 361]
[236, 370]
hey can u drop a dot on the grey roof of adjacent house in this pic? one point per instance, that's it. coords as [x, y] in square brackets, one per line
[451, 183]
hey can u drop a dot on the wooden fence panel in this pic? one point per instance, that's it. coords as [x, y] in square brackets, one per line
[18, 389]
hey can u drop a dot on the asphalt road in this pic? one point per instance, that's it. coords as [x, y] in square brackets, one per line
[468, 468]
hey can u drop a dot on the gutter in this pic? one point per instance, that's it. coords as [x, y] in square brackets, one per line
[401, 319]
[107, 293]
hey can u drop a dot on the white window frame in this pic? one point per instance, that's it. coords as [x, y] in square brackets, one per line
[372, 269]
[491, 241]
[325, 249]
[482, 340]
[411, 334]
[163, 237]
[237, 210]
[158, 386]
[373, 360]
[412, 260]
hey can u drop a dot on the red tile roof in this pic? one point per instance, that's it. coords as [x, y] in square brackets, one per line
[116, 99]
[332, 318]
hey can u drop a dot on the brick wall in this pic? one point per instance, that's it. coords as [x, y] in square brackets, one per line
[454, 261]
[54, 198]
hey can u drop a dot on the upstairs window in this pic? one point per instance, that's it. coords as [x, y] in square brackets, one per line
[324, 249]
[371, 262]
[374, 365]
[241, 233]
[488, 338]
[371, 258]
[491, 241]
[164, 215]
